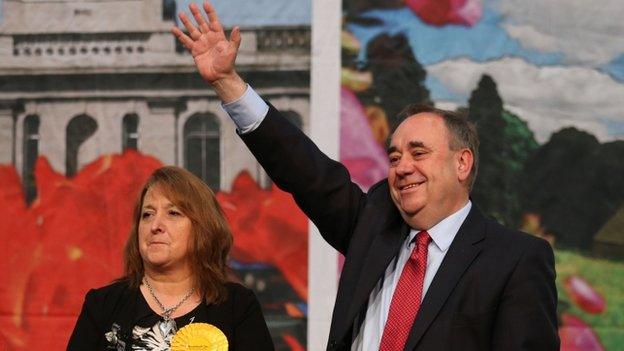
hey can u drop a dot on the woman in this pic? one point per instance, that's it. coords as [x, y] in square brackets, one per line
[175, 274]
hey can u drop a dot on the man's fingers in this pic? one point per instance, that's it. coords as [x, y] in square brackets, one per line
[203, 26]
[215, 25]
[183, 38]
[235, 37]
[190, 28]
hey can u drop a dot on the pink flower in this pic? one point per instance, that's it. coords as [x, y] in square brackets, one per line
[443, 12]
[584, 295]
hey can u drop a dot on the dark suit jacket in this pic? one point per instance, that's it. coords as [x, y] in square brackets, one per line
[495, 289]
[239, 318]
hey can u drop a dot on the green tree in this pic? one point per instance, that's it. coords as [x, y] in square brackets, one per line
[575, 184]
[398, 78]
[506, 143]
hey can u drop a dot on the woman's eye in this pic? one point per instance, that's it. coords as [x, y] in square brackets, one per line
[145, 214]
[175, 213]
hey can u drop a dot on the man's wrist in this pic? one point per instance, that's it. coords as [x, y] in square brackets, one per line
[248, 111]
[229, 88]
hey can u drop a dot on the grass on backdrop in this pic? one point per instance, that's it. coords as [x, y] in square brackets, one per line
[607, 278]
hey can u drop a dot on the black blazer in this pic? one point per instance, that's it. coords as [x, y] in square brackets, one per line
[239, 318]
[495, 289]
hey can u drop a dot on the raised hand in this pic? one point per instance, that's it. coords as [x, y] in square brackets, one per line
[213, 53]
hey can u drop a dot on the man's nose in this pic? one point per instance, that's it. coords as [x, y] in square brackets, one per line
[404, 167]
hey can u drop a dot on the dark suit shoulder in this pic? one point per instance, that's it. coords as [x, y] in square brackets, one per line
[522, 267]
[498, 231]
[379, 188]
[515, 243]
[378, 195]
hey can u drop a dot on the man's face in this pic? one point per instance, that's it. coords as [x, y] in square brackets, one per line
[425, 175]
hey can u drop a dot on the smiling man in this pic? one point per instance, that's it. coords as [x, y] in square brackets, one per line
[433, 165]
[424, 269]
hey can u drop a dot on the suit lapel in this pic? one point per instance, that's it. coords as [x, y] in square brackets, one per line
[383, 249]
[464, 249]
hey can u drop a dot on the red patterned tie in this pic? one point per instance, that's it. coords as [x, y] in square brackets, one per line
[406, 299]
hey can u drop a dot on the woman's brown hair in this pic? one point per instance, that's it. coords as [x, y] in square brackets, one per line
[211, 235]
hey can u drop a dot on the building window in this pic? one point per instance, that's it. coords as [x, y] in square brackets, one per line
[129, 137]
[169, 10]
[79, 129]
[30, 150]
[294, 118]
[202, 148]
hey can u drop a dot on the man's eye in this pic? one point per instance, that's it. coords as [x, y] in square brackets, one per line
[393, 159]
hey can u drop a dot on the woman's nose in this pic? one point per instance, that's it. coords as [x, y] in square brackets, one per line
[157, 224]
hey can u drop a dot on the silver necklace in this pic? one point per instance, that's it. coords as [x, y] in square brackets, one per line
[168, 324]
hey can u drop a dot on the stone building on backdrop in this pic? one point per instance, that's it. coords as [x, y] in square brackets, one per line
[80, 79]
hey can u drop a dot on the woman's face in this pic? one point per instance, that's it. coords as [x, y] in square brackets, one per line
[164, 232]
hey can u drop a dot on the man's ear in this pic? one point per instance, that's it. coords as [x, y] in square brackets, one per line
[465, 162]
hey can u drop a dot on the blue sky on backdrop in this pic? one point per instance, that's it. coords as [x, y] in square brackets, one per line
[259, 12]
[254, 12]
[557, 62]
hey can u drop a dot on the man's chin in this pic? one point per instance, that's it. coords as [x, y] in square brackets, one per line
[410, 211]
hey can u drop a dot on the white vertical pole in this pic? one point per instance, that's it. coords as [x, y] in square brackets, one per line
[325, 131]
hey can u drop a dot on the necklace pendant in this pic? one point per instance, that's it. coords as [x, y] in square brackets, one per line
[167, 326]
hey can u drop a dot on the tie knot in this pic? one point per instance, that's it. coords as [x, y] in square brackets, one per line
[422, 245]
[423, 238]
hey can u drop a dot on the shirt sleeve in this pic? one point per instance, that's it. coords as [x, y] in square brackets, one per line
[248, 111]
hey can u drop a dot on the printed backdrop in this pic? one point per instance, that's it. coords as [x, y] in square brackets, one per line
[544, 82]
[96, 95]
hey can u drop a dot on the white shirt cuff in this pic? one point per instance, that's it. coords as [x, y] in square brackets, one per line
[248, 111]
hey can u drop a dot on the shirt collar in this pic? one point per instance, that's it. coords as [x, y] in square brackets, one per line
[443, 233]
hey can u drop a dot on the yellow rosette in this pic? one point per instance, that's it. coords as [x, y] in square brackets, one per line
[199, 337]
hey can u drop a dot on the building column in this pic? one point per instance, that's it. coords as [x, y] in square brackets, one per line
[7, 133]
[157, 131]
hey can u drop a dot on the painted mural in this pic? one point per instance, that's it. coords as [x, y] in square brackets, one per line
[87, 112]
[544, 83]
[94, 96]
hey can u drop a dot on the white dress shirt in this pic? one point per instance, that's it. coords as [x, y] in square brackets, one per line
[247, 112]
[442, 234]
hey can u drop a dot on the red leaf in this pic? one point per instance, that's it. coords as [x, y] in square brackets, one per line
[262, 233]
[68, 241]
